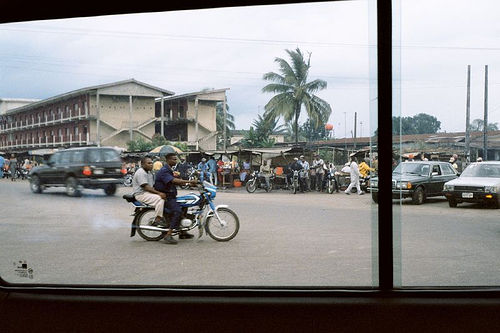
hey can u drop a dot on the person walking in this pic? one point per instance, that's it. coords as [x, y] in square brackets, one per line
[13, 167]
[203, 169]
[212, 170]
[354, 174]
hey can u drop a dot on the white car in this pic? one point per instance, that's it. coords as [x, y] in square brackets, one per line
[480, 182]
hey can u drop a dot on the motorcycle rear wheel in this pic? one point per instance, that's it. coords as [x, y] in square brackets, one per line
[146, 218]
[223, 233]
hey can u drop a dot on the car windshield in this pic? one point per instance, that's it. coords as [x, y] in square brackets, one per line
[412, 168]
[482, 170]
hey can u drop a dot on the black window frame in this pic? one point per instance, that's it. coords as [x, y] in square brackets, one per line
[479, 304]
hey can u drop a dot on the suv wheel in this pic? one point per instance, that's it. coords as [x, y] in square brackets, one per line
[72, 187]
[35, 184]
[110, 189]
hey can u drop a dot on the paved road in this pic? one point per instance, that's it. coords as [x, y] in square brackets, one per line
[314, 239]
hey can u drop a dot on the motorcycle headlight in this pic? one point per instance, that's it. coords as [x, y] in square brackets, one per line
[491, 189]
[448, 187]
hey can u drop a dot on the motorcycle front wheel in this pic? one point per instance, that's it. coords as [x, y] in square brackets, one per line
[251, 186]
[295, 185]
[227, 230]
[147, 218]
[330, 187]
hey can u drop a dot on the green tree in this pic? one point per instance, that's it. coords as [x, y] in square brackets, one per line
[421, 123]
[477, 125]
[292, 91]
[312, 131]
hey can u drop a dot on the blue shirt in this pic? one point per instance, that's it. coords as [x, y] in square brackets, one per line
[202, 166]
[212, 165]
[163, 182]
[2, 161]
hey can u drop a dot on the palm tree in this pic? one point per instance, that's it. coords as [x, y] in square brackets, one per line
[294, 92]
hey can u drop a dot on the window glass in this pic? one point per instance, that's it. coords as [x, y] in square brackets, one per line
[447, 169]
[110, 155]
[78, 156]
[55, 158]
[316, 227]
[65, 157]
[445, 65]
[95, 155]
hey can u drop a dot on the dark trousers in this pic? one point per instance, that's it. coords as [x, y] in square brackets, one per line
[173, 209]
[319, 181]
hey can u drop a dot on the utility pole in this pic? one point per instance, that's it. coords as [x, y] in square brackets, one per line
[467, 119]
[345, 133]
[225, 121]
[355, 126]
[485, 122]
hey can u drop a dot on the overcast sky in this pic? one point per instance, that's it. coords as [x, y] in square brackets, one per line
[186, 51]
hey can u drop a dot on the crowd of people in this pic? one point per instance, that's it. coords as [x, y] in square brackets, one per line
[13, 167]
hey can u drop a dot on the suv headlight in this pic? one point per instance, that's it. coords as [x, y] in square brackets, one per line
[448, 187]
[374, 183]
[491, 189]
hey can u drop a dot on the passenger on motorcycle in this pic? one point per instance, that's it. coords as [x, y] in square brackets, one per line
[166, 183]
[142, 184]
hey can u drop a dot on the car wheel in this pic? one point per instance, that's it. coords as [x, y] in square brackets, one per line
[35, 184]
[72, 187]
[375, 197]
[110, 189]
[418, 197]
[452, 203]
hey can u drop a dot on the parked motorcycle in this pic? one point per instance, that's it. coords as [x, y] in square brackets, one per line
[192, 174]
[127, 179]
[256, 180]
[331, 181]
[295, 182]
[198, 211]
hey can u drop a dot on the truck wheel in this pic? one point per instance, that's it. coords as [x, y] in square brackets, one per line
[375, 197]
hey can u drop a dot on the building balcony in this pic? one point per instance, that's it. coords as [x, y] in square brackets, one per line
[55, 141]
[40, 122]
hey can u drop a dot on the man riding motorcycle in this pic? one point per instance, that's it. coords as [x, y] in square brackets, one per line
[166, 182]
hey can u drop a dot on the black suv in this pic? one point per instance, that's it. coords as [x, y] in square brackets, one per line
[417, 180]
[77, 168]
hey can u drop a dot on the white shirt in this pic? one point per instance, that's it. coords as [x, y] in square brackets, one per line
[318, 163]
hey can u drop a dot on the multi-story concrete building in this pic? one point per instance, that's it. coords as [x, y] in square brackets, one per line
[109, 114]
[191, 118]
[12, 103]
